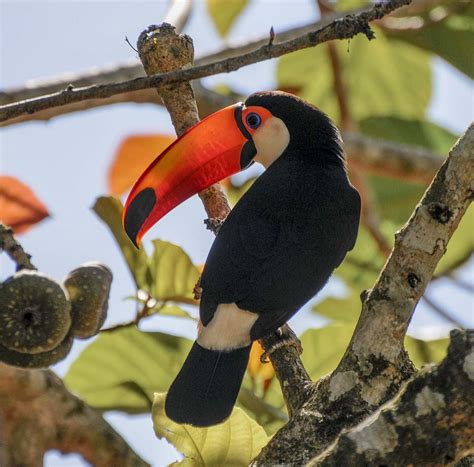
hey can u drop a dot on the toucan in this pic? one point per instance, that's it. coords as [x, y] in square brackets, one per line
[276, 249]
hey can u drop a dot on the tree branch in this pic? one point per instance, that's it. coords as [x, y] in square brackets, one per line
[375, 363]
[391, 159]
[430, 422]
[344, 28]
[13, 249]
[38, 413]
[130, 70]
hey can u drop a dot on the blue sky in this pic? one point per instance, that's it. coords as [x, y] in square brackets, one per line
[65, 161]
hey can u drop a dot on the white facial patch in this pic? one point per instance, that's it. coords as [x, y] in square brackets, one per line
[271, 139]
[229, 328]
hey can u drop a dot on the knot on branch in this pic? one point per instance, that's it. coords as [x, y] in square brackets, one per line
[162, 49]
[440, 212]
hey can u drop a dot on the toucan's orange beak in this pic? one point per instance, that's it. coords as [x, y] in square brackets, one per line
[217, 147]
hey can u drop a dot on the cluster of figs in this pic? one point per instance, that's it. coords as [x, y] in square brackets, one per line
[39, 318]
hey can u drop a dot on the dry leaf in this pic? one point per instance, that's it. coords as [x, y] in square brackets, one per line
[133, 156]
[20, 209]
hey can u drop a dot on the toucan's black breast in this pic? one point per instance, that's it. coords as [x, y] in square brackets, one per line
[281, 242]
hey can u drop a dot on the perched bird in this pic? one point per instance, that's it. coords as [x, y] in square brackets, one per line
[276, 249]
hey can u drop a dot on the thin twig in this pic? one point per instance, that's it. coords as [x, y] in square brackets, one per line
[13, 248]
[344, 28]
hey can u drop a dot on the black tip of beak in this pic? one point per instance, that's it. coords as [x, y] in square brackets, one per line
[137, 213]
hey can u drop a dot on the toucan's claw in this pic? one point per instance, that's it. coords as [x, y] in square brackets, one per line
[285, 338]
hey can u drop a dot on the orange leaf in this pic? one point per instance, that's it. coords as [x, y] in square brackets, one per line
[133, 156]
[20, 209]
[259, 371]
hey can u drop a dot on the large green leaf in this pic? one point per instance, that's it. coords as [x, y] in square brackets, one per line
[323, 348]
[363, 264]
[224, 13]
[422, 352]
[382, 77]
[168, 274]
[122, 369]
[109, 209]
[461, 245]
[233, 443]
[451, 38]
[409, 131]
[173, 273]
[346, 309]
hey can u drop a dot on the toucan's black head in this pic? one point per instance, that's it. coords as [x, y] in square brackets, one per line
[312, 134]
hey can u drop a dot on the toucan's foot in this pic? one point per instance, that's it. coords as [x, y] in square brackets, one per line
[282, 337]
[197, 291]
[214, 224]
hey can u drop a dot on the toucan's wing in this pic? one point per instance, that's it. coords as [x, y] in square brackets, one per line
[271, 257]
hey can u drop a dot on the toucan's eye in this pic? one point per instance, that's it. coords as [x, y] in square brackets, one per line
[253, 120]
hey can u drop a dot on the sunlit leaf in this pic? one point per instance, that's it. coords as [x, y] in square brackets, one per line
[235, 192]
[323, 348]
[109, 209]
[224, 13]
[132, 157]
[232, 443]
[448, 38]
[461, 245]
[409, 131]
[348, 5]
[382, 77]
[174, 310]
[122, 369]
[20, 209]
[345, 309]
[363, 264]
[426, 351]
[173, 273]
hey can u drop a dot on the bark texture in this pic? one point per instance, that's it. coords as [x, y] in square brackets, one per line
[431, 421]
[38, 413]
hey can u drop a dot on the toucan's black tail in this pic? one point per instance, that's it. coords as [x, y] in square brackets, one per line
[205, 390]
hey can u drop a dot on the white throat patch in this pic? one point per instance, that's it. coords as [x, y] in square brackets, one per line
[271, 139]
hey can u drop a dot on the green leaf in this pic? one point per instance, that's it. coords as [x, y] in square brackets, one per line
[173, 273]
[348, 5]
[345, 309]
[409, 131]
[461, 245]
[224, 13]
[109, 209]
[382, 77]
[422, 352]
[363, 264]
[235, 192]
[396, 200]
[323, 348]
[173, 310]
[232, 443]
[122, 369]
[449, 38]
